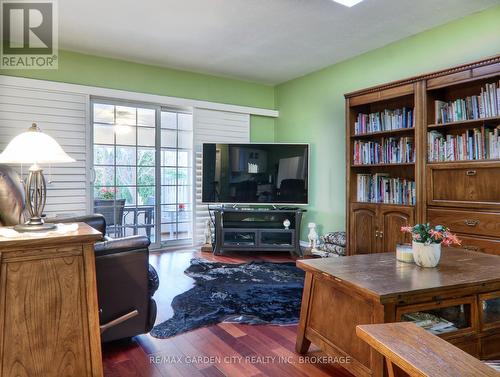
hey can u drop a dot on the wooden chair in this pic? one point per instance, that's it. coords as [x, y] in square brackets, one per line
[418, 353]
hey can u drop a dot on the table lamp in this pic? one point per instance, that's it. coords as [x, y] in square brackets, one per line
[34, 147]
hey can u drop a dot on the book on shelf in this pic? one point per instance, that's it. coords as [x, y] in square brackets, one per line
[381, 188]
[484, 105]
[386, 120]
[475, 144]
[386, 151]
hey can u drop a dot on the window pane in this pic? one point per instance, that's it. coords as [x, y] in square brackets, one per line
[168, 231]
[104, 113]
[168, 120]
[146, 156]
[185, 194]
[127, 193]
[183, 231]
[125, 176]
[184, 158]
[125, 135]
[166, 213]
[125, 115]
[185, 212]
[184, 176]
[168, 195]
[186, 140]
[104, 155]
[169, 138]
[146, 195]
[146, 117]
[168, 157]
[146, 136]
[105, 193]
[168, 176]
[104, 176]
[145, 176]
[185, 122]
[125, 155]
[103, 134]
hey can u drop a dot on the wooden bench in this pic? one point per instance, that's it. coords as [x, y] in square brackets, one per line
[417, 352]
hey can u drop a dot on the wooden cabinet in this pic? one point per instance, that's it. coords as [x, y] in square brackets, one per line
[471, 186]
[467, 221]
[49, 325]
[377, 228]
[461, 194]
[480, 244]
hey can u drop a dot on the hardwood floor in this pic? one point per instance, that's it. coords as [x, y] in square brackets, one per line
[220, 350]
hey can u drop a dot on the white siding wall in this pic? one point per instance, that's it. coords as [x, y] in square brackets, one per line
[211, 126]
[63, 116]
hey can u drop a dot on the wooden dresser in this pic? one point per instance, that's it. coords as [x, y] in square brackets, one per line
[49, 322]
[462, 193]
[459, 300]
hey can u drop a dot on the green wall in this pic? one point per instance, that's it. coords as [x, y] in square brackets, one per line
[312, 107]
[77, 68]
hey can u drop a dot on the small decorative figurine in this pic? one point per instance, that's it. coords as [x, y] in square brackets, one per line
[312, 236]
[208, 233]
[286, 224]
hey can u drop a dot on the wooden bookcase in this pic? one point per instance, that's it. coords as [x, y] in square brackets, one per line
[464, 195]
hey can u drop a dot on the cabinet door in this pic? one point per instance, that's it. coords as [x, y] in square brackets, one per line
[391, 220]
[362, 230]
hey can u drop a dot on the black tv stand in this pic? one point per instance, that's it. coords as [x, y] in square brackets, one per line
[259, 229]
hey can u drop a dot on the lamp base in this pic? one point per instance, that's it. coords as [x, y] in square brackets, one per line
[34, 227]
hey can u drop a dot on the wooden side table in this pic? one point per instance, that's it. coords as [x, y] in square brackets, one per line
[49, 322]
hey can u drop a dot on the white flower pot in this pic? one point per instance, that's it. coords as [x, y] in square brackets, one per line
[426, 255]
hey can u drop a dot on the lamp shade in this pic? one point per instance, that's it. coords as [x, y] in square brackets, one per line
[34, 147]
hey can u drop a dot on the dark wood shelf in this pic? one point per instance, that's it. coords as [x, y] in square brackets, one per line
[463, 123]
[381, 165]
[384, 133]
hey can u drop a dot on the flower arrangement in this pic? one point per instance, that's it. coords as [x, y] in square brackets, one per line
[107, 193]
[424, 233]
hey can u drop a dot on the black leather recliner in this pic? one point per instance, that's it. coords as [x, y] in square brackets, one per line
[126, 281]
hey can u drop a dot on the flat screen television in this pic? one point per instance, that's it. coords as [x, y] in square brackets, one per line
[272, 174]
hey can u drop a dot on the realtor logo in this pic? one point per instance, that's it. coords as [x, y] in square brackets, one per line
[28, 34]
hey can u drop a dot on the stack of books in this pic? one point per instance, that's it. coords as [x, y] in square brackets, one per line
[388, 151]
[484, 105]
[384, 121]
[381, 188]
[475, 144]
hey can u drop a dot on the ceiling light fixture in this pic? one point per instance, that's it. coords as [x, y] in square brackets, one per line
[348, 3]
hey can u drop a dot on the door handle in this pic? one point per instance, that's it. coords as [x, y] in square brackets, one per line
[470, 222]
[471, 172]
[92, 175]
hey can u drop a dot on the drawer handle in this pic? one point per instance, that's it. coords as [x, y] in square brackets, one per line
[471, 248]
[469, 222]
[470, 172]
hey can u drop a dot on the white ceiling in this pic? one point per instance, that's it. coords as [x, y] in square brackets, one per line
[268, 41]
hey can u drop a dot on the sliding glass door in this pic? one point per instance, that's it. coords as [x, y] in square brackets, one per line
[176, 197]
[142, 167]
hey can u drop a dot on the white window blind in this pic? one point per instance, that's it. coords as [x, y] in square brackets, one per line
[211, 126]
[63, 116]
